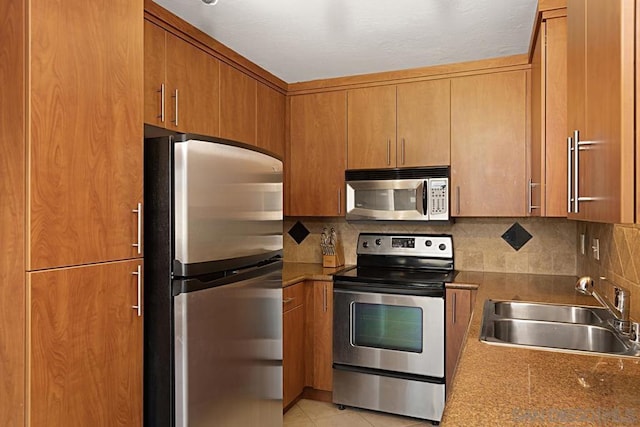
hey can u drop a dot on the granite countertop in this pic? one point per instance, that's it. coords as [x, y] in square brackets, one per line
[294, 272]
[508, 386]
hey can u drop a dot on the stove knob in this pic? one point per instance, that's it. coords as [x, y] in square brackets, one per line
[378, 242]
[365, 244]
[428, 243]
[442, 246]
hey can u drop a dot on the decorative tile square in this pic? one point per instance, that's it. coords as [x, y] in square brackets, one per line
[298, 232]
[516, 236]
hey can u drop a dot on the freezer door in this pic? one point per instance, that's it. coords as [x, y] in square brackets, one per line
[228, 202]
[228, 352]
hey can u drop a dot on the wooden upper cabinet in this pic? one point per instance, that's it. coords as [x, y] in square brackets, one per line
[193, 92]
[488, 141]
[270, 120]
[85, 346]
[372, 128]
[155, 77]
[85, 147]
[421, 112]
[601, 108]
[317, 154]
[237, 105]
[424, 124]
[548, 185]
[181, 84]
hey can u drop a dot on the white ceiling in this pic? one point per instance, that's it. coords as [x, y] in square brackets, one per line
[301, 40]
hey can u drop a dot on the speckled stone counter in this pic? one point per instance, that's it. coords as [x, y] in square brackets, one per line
[508, 386]
[294, 272]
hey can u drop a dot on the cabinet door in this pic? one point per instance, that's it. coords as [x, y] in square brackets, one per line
[372, 128]
[85, 346]
[424, 123]
[608, 164]
[293, 354]
[555, 155]
[488, 140]
[237, 105]
[85, 153]
[457, 316]
[154, 75]
[323, 336]
[577, 83]
[192, 96]
[270, 122]
[548, 191]
[317, 154]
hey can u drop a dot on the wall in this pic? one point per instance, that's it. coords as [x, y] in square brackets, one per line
[477, 243]
[619, 257]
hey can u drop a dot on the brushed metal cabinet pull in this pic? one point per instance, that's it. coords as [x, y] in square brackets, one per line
[569, 149]
[457, 199]
[388, 152]
[175, 97]
[287, 300]
[339, 201]
[138, 244]
[402, 150]
[453, 307]
[576, 173]
[324, 299]
[161, 116]
[531, 207]
[138, 306]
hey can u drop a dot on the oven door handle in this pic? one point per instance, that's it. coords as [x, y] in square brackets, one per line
[354, 288]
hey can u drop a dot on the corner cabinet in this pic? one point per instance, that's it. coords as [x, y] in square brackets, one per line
[488, 143]
[271, 107]
[459, 307]
[600, 109]
[84, 348]
[547, 187]
[317, 155]
[181, 84]
[293, 334]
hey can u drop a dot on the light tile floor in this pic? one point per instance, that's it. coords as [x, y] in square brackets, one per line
[311, 413]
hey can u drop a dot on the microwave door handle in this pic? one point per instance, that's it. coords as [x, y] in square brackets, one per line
[424, 197]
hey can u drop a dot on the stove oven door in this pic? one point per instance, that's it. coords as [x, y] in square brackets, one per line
[399, 333]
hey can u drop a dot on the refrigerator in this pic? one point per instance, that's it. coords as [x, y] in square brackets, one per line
[213, 283]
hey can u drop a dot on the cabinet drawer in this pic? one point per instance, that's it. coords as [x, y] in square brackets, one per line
[292, 296]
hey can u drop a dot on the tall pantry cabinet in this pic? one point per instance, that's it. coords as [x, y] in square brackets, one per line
[71, 203]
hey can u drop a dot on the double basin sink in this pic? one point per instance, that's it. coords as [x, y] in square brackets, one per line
[554, 327]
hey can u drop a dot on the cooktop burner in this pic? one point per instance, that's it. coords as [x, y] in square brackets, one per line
[407, 264]
[402, 276]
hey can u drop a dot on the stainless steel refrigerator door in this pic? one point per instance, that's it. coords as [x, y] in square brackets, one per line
[228, 354]
[228, 202]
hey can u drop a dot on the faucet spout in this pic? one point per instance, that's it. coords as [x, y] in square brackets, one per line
[619, 307]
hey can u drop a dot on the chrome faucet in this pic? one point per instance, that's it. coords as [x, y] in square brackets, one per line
[619, 308]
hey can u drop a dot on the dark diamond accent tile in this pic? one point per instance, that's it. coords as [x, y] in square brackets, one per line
[298, 232]
[516, 236]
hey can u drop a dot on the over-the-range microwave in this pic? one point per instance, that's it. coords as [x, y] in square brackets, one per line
[411, 194]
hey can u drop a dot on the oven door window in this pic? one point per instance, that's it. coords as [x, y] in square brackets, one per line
[389, 327]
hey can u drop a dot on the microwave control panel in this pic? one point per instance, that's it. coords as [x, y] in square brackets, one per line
[438, 199]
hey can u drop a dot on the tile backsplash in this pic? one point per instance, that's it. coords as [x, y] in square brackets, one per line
[478, 245]
[619, 257]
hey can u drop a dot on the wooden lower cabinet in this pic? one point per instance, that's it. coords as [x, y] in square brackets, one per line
[293, 362]
[459, 306]
[323, 336]
[84, 346]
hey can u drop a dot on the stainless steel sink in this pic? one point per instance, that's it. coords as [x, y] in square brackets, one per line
[551, 312]
[554, 327]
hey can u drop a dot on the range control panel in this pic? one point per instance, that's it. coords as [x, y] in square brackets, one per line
[419, 245]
